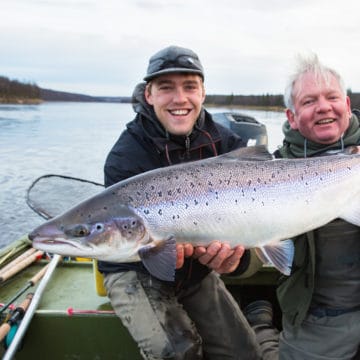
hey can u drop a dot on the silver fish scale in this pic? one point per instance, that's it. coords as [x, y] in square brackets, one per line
[246, 202]
[241, 201]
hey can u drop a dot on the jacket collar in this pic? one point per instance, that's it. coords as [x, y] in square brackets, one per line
[296, 146]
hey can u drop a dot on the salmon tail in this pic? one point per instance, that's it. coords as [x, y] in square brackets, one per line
[160, 259]
[279, 255]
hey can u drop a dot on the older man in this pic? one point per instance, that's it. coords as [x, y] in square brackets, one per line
[320, 300]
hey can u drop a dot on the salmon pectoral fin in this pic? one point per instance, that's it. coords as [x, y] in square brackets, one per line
[280, 255]
[160, 259]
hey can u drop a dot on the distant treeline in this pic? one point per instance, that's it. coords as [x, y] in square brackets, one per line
[246, 100]
[354, 98]
[16, 91]
[52, 95]
[264, 100]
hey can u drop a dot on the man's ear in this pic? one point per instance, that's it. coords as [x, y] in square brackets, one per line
[348, 105]
[203, 93]
[147, 94]
[291, 119]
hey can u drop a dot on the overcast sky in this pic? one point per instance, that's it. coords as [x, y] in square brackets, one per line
[102, 47]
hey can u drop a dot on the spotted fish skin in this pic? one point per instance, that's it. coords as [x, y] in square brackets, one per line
[243, 197]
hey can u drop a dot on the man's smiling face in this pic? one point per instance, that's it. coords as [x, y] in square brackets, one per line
[177, 100]
[322, 111]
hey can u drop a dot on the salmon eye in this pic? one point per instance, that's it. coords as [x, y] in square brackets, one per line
[78, 231]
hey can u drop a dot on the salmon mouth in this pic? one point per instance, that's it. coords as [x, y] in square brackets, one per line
[56, 242]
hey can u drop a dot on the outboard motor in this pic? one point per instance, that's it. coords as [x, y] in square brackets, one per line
[251, 131]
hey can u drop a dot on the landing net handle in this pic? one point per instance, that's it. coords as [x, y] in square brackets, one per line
[51, 194]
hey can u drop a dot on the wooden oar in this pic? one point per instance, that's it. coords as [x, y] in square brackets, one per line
[30, 283]
[21, 265]
[31, 310]
[16, 316]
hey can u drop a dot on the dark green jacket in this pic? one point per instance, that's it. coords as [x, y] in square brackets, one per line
[295, 292]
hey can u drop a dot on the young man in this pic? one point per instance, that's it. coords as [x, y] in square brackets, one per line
[320, 301]
[195, 317]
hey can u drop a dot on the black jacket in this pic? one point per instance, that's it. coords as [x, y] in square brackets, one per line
[145, 145]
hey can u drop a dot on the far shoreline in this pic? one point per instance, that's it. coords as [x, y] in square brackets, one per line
[25, 101]
[247, 107]
[20, 101]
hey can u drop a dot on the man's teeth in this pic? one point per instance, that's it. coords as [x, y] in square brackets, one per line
[179, 112]
[325, 121]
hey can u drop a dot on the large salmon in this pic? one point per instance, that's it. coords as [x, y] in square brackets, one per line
[243, 197]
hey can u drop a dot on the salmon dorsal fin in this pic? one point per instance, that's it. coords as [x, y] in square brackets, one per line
[259, 153]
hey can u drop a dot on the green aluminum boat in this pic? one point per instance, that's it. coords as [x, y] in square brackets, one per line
[71, 319]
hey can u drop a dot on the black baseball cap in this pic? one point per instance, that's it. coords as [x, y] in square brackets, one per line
[174, 59]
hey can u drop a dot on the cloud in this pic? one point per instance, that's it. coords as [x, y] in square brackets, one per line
[102, 47]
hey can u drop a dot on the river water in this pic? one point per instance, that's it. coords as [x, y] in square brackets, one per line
[69, 139]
